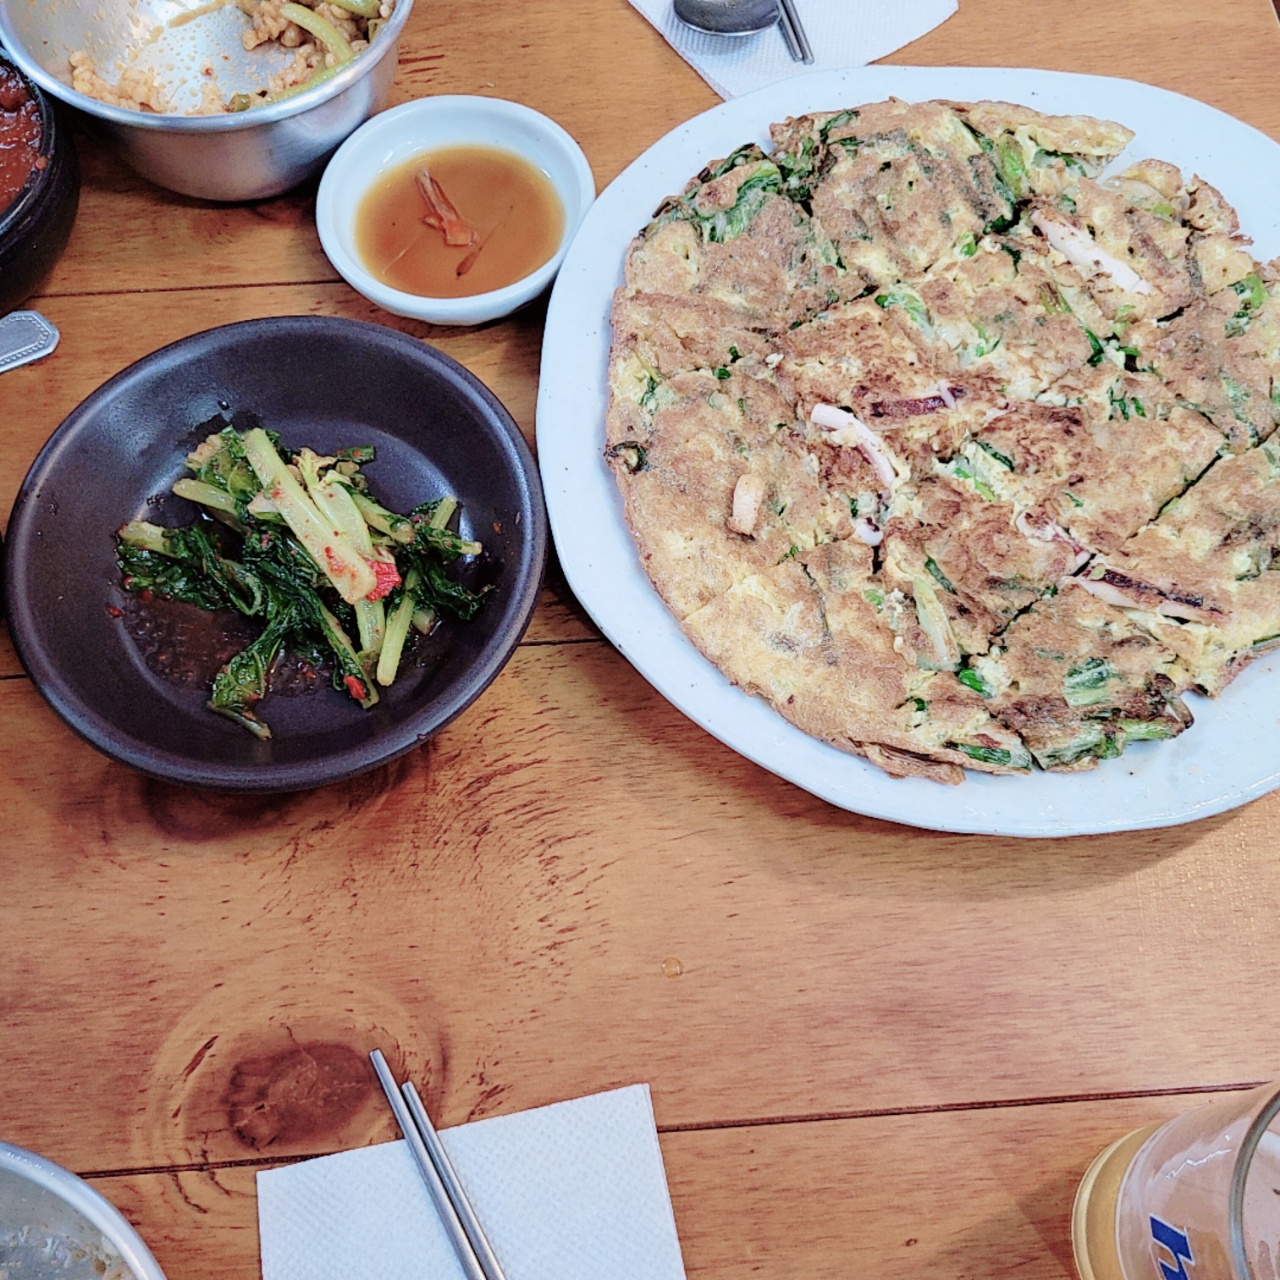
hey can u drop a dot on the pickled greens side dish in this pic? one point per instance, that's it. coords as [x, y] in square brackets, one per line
[298, 542]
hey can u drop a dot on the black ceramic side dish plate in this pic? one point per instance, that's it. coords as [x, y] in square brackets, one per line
[324, 383]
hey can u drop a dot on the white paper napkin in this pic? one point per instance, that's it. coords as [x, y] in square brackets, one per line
[843, 33]
[573, 1191]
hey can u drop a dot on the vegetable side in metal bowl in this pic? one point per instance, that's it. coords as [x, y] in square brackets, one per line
[187, 68]
[132, 671]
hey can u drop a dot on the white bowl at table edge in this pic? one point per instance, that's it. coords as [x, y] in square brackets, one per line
[427, 124]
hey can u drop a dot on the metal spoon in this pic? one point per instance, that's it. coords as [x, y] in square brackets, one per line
[745, 18]
[728, 17]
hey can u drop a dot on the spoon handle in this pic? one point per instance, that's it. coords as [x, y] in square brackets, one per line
[25, 336]
[793, 33]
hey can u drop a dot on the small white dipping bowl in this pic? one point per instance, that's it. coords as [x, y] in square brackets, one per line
[395, 136]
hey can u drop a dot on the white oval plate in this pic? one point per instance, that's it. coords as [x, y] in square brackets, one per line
[1230, 756]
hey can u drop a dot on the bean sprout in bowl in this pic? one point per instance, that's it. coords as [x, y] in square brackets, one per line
[307, 82]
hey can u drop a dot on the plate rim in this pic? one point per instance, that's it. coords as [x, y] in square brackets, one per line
[165, 765]
[621, 602]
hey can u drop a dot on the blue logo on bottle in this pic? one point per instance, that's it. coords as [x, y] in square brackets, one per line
[1179, 1248]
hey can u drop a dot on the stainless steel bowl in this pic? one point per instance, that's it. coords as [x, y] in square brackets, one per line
[246, 155]
[53, 1223]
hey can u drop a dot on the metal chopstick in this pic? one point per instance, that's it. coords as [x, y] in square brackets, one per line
[444, 1167]
[478, 1263]
[793, 32]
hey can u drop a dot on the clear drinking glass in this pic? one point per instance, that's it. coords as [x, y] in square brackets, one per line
[1197, 1198]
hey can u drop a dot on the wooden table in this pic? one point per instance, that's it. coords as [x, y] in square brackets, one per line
[874, 1052]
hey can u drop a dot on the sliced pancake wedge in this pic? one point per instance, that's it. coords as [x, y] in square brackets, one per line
[1006, 313]
[875, 358]
[736, 236]
[1078, 682]
[1204, 578]
[895, 185]
[679, 452]
[804, 635]
[1033, 150]
[1100, 464]
[962, 568]
[1221, 356]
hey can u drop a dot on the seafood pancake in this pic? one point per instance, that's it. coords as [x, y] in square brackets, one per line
[1204, 578]
[950, 443]
[1078, 681]
[806, 637]
[735, 236]
[1100, 465]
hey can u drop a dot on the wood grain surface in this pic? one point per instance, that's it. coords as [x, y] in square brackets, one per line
[874, 1051]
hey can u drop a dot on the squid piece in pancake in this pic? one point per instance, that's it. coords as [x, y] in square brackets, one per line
[804, 636]
[1078, 682]
[1099, 466]
[875, 360]
[735, 236]
[1204, 578]
[960, 558]
[854, 497]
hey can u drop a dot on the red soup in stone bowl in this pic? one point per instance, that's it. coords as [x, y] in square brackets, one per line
[39, 186]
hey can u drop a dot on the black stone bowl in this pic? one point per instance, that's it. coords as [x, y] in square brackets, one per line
[323, 383]
[35, 227]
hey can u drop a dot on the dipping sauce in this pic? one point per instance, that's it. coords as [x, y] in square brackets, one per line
[19, 135]
[512, 207]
